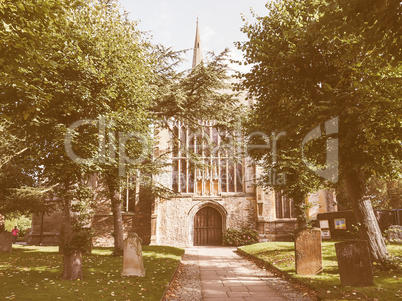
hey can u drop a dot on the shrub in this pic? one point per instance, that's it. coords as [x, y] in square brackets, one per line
[233, 237]
[81, 240]
[23, 223]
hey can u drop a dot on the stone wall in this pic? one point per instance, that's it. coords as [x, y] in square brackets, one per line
[242, 212]
[269, 227]
[322, 201]
[45, 229]
[175, 217]
[280, 230]
[273, 229]
[103, 228]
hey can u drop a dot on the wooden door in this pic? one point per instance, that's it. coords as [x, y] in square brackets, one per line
[208, 227]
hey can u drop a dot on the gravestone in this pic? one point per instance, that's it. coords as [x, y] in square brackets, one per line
[6, 242]
[394, 234]
[354, 263]
[133, 264]
[27, 232]
[308, 253]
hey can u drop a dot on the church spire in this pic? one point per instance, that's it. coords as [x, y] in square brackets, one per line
[197, 56]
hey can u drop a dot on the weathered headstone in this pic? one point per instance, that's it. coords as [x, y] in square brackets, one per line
[27, 232]
[308, 252]
[6, 242]
[394, 234]
[354, 263]
[133, 264]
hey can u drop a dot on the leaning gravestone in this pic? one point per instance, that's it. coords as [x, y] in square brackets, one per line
[354, 263]
[6, 242]
[133, 264]
[308, 252]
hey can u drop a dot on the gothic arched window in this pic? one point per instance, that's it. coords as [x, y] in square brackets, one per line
[284, 206]
[203, 163]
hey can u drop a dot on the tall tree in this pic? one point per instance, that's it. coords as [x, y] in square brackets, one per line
[70, 64]
[308, 73]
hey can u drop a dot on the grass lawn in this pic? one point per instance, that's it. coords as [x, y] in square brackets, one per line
[388, 284]
[32, 273]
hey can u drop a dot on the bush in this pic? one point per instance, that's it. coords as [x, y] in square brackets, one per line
[23, 223]
[233, 237]
[81, 240]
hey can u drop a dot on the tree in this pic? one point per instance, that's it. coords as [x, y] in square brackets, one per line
[307, 72]
[71, 64]
[378, 22]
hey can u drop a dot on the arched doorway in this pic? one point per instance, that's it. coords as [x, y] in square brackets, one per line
[208, 227]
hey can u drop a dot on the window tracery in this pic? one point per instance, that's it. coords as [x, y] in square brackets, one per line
[213, 170]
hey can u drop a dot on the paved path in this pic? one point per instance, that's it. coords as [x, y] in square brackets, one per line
[218, 273]
[226, 276]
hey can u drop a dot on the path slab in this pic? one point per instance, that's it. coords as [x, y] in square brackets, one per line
[242, 280]
[223, 275]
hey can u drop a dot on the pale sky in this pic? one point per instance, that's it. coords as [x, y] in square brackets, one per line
[172, 23]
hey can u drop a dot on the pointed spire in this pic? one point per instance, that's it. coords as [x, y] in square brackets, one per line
[197, 56]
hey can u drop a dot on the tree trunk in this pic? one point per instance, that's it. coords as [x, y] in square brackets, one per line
[299, 200]
[72, 260]
[72, 266]
[117, 221]
[118, 228]
[363, 210]
[143, 214]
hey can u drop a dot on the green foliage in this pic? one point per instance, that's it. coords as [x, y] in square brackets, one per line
[378, 21]
[81, 239]
[393, 236]
[23, 223]
[233, 237]
[354, 230]
[304, 74]
[385, 194]
[18, 194]
[82, 205]
[24, 199]
[202, 93]
[393, 262]
[85, 62]
[10, 145]
[76, 82]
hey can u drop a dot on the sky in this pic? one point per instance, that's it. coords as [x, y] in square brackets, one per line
[172, 23]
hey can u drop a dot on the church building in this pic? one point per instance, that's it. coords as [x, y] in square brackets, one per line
[208, 200]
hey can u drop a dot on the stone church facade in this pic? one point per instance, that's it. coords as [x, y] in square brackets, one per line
[220, 195]
[210, 199]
